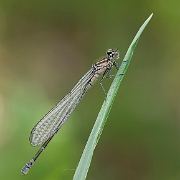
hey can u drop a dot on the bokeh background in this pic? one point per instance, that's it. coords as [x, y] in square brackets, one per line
[46, 47]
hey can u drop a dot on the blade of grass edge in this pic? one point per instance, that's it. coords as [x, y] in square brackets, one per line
[84, 163]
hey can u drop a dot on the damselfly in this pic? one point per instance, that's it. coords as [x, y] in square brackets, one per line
[49, 125]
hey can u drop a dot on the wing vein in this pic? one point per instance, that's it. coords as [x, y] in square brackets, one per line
[56, 117]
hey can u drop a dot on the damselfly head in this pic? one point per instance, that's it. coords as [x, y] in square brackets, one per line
[112, 54]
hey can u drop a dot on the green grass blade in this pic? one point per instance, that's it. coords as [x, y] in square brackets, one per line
[83, 166]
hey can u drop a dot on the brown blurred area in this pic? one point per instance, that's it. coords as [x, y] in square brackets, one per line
[47, 46]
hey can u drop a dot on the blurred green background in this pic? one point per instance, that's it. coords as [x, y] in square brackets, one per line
[46, 47]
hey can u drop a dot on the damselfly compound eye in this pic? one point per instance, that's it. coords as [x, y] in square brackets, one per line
[109, 52]
[116, 54]
[112, 54]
